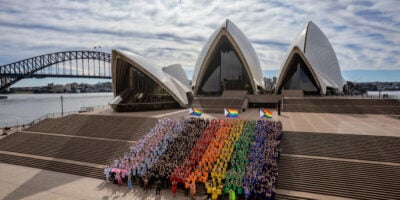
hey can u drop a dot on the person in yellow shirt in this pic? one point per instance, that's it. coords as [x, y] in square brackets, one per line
[214, 195]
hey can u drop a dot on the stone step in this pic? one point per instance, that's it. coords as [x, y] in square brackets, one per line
[53, 166]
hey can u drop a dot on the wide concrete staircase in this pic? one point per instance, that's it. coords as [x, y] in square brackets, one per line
[76, 144]
[229, 99]
[342, 105]
[111, 127]
[349, 166]
[56, 166]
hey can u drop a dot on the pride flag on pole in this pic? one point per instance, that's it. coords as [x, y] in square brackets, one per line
[231, 113]
[195, 112]
[265, 113]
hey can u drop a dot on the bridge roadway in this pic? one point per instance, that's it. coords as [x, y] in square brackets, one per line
[315, 164]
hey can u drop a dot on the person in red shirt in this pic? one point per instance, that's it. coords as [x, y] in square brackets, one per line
[174, 187]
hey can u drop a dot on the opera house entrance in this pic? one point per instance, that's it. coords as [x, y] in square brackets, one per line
[299, 77]
[225, 71]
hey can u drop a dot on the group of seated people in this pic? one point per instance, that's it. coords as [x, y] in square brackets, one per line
[228, 156]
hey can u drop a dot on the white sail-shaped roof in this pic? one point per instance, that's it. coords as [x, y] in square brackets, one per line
[317, 52]
[177, 72]
[172, 85]
[241, 45]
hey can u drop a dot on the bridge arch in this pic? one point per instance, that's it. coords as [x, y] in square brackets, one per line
[29, 68]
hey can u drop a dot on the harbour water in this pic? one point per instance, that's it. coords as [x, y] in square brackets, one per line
[392, 94]
[23, 108]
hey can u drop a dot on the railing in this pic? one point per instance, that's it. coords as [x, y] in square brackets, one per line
[52, 116]
[347, 97]
[9, 130]
[94, 108]
[81, 110]
[59, 114]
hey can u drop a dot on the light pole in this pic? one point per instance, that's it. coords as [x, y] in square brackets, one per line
[62, 106]
[17, 122]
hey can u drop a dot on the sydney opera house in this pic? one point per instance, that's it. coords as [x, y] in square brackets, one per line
[320, 147]
[227, 62]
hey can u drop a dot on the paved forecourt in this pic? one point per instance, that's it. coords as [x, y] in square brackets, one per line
[18, 182]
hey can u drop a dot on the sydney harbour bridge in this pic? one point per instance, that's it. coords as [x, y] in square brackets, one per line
[66, 64]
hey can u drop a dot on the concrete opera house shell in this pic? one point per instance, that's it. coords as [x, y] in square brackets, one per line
[310, 65]
[141, 85]
[227, 61]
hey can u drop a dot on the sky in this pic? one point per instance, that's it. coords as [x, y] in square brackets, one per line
[365, 34]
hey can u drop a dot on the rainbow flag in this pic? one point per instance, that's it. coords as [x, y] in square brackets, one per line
[231, 113]
[195, 112]
[265, 113]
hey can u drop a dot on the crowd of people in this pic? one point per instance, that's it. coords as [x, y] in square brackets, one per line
[239, 161]
[144, 153]
[261, 173]
[182, 172]
[177, 153]
[214, 149]
[228, 156]
[218, 173]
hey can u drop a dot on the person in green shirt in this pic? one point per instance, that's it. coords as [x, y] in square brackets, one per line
[232, 195]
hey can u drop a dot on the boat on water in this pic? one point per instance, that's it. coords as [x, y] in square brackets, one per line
[3, 97]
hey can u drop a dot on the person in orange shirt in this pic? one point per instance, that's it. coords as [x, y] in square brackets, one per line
[194, 178]
[187, 185]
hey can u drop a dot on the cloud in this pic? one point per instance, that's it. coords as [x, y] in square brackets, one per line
[364, 33]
